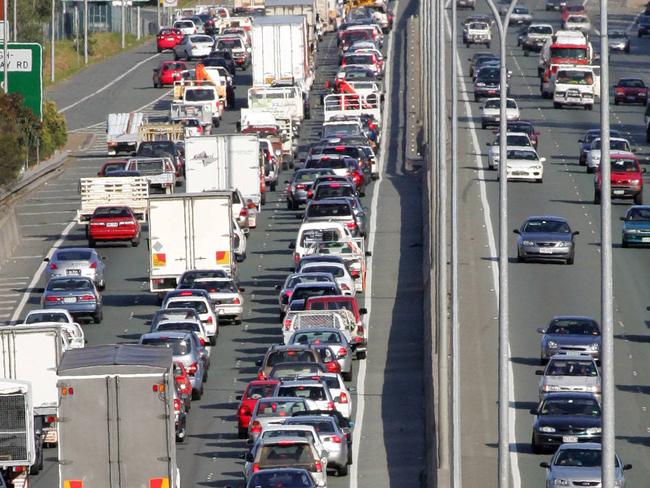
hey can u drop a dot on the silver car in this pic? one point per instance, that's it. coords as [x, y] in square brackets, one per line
[569, 373]
[76, 261]
[332, 338]
[332, 438]
[227, 301]
[570, 335]
[274, 410]
[580, 465]
[619, 40]
[294, 279]
[546, 238]
[193, 46]
[173, 315]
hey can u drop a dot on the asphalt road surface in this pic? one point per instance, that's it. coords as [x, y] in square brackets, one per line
[388, 399]
[540, 291]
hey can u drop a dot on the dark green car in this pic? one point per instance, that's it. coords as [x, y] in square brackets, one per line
[636, 226]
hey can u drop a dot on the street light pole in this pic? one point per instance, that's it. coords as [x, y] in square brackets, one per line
[606, 292]
[123, 24]
[85, 31]
[504, 332]
[15, 29]
[52, 45]
[5, 41]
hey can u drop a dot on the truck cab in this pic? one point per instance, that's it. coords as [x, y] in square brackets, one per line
[575, 85]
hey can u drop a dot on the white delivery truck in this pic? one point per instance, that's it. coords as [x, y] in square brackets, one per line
[188, 231]
[281, 51]
[222, 162]
[298, 7]
[132, 191]
[122, 132]
[117, 418]
[21, 450]
[32, 353]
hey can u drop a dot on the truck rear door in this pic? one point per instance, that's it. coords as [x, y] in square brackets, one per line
[210, 231]
[168, 245]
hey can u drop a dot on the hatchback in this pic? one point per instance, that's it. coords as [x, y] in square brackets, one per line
[255, 390]
[570, 335]
[566, 372]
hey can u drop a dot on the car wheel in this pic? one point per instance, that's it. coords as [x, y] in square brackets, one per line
[539, 180]
[570, 260]
[616, 101]
[590, 169]
[176, 58]
[272, 186]
[98, 316]
[347, 376]
[520, 258]
[638, 199]
[581, 161]
[526, 53]
[624, 244]
[487, 45]
[242, 433]
[91, 242]
[627, 49]
[557, 105]
[535, 447]
[597, 197]
[361, 355]
[237, 320]
[477, 98]
[483, 125]
[101, 286]
[197, 394]
[342, 470]
[181, 434]
[647, 134]
[136, 242]
[589, 107]
[542, 360]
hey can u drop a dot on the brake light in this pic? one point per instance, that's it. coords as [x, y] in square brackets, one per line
[51, 419]
[185, 294]
[261, 376]
[251, 204]
[354, 273]
[256, 468]
[53, 299]
[87, 298]
[299, 187]
[256, 427]
[192, 369]
[318, 467]
[620, 91]
[287, 324]
[343, 398]
[351, 225]
[244, 411]
[360, 330]
[177, 405]
[243, 212]
[333, 367]
[53, 266]
[330, 406]
[202, 341]
[345, 287]
[336, 439]
[236, 301]
[209, 321]
[92, 265]
[310, 194]
[339, 148]
[343, 352]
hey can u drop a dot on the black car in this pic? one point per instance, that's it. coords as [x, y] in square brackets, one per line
[487, 83]
[644, 25]
[565, 417]
[477, 58]
[221, 58]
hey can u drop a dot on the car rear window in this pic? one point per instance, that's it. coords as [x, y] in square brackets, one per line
[277, 408]
[329, 210]
[150, 167]
[304, 293]
[180, 326]
[110, 212]
[69, 285]
[315, 393]
[306, 434]
[256, 392]
[216, 286]
[197, 95]
[73, 255]
[197, 305]
[333, 191]
[179, 347]
[286, 454]
[290, 357]
[189, 276]
[318, 337]
[319, 235]
[229, 44]
[114, 167]
[293, 371]
[35, 318]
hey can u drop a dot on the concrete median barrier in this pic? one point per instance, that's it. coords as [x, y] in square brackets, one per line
[9, 233]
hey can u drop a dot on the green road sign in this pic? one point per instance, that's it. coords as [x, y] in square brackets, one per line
[25, 73]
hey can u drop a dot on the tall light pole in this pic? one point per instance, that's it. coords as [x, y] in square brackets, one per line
[5, 41]
[455, 346]
[15, 27]
[606, 292]
[52, 45]
[158, 12]
[85, 31]
[504, 326]
[123, 24]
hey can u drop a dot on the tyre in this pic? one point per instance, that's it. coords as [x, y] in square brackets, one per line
[597, 198]
[181, 434]
[263, 199]
[342, 470]
[538, 180]
[197, 394]
[557, 105]
[520, 258]
[101, 286]
[98, 316]
[237, 320]
[526, 53]
[347, 376]
[91, 242]
[487, 44]
[581, 161]
[647, 134]
[589, 169]
[213, 339]
[616, 101]
[159, 50]
[136, 242]
[290, 205]
[571, 260]
[589, 107]
[627, 49]
[535, 447]
[624, 244]
[483, 125]
[361, 355]
[242, 433]
[477, 98]
[638, 198]
[272, 186]
[176, 58]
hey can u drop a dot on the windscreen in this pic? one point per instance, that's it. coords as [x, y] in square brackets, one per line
[571, 367]
[179, 347]
[573, 327]
[546, 226]
[328, 210]
[197, 95]
[569, 52]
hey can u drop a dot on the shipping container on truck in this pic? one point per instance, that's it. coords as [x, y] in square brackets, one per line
[20, 454]
[297, 7]
[117, 418]
[33, 353]
[188, 231]
[281, 51]
[222, 162]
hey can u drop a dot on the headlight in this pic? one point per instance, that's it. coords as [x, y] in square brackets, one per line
[594, 347]
[634, 182]
[550, 388]
[547, 429]
[593, 389]
[559, 93]
[537, 166]
[528, 243]
[552, 344]
[561, 482]
[594, 430]
[631, 231]
[564, 244]
[595, 157]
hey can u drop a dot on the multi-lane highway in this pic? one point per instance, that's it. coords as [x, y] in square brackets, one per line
[540, 291]
[389, 439]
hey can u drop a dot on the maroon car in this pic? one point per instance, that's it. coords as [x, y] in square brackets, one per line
[630, 90]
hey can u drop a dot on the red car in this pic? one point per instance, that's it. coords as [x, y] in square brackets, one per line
[167, 38]
[626, 178]
[574, 9]
[254, 391]
[183, 383]
[630, 90]
[115, 223]
[167, 72]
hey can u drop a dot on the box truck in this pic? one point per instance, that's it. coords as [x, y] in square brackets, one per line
[117, 418]
[298, 7]
[188, 231]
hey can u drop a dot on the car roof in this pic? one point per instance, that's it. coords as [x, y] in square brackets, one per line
[284, 440]
[568, 394]
[575, 317]
[315, 284]
[167, 334]
[288, 347]
[546, 217]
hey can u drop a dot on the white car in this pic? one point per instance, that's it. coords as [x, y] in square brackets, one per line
[194, 46]
[202, 306]
[616, 145]
[338, 270]
[227, 301]
[490, 112]
[186, 26]
[314, 232]
[241, 241]
[72, 331]
[521, 15]
[340, 392]
[523, 163]
[185, 326]
[519, 139]
[578, 22]
[477, 33]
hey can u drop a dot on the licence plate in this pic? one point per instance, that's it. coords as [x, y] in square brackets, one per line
[111, 224]
[618, 192]
[631, 97]
[569, 438]
[645, 239]
[545, 250]
[70, 300]
[73, 271]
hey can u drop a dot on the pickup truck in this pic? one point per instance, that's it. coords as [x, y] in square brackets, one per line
[477, 33]
[132, 191]
[159, 172]
[122, 132]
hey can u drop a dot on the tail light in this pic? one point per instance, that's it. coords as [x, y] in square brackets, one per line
[192, 369]
[354, 273]
[343, 398]
[236, 301]
[53, 266]
[53, 299]
[202, 341]
[336, 439]
[299, 187]
[286, 323]
[92, 265]
[351, 225]
[261, 376]
[372, 125]
[360, 330]
[345, 287]
[333, 367]
[87, 298]
[342, 352]
[51, 419]
[244, 411]
[256, 427]
[243, 213]
[310, 194]
[210, 321]
[256, 468]
[330, 406]
[317, 467]
[251, 204]
[177, 405]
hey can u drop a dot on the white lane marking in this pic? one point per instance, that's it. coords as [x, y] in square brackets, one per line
[108, 85]
[39, 272]
[361, 373]
[42, 224]
[51, 212]
[15, 278]
[487, 219]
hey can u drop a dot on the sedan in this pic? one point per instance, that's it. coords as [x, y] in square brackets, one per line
[566, 372]
[167, 38]
[617, 145]
[186, 26]
[565, 417]
[570, 335]
[335, 339]
[619, 40]
[546, 238]
[294, 279]
[487, 82]
[636, 226]
[167, 72]
[78, 295]
[578, 22]
[517, 139]
[491, 112]
[473, 61]
[523, 163]
[225, 295]
[301, 182]
[521, 15]
[255, 390]
[580, 465]
[630, 90]
[76, 261]
[195, 46]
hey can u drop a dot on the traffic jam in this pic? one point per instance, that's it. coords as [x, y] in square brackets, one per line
[192, 191]
[566, 414]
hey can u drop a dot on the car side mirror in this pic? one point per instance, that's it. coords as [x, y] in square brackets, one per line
[242, 289]
[286, 181]
[258, 362]
[544, 465]
[363, 311]
[368, 254]
[533, 411]
[292, 245]
[541, 331]
[542, 160]
[238, 397]
[627, 467]
[516, 231]
[46, 260]
[238, 126]
[539, 372]
[581, 140]
[576, 232]
[622, 218]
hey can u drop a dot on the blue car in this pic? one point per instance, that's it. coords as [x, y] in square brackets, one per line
[76, 294]
[636, 226]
